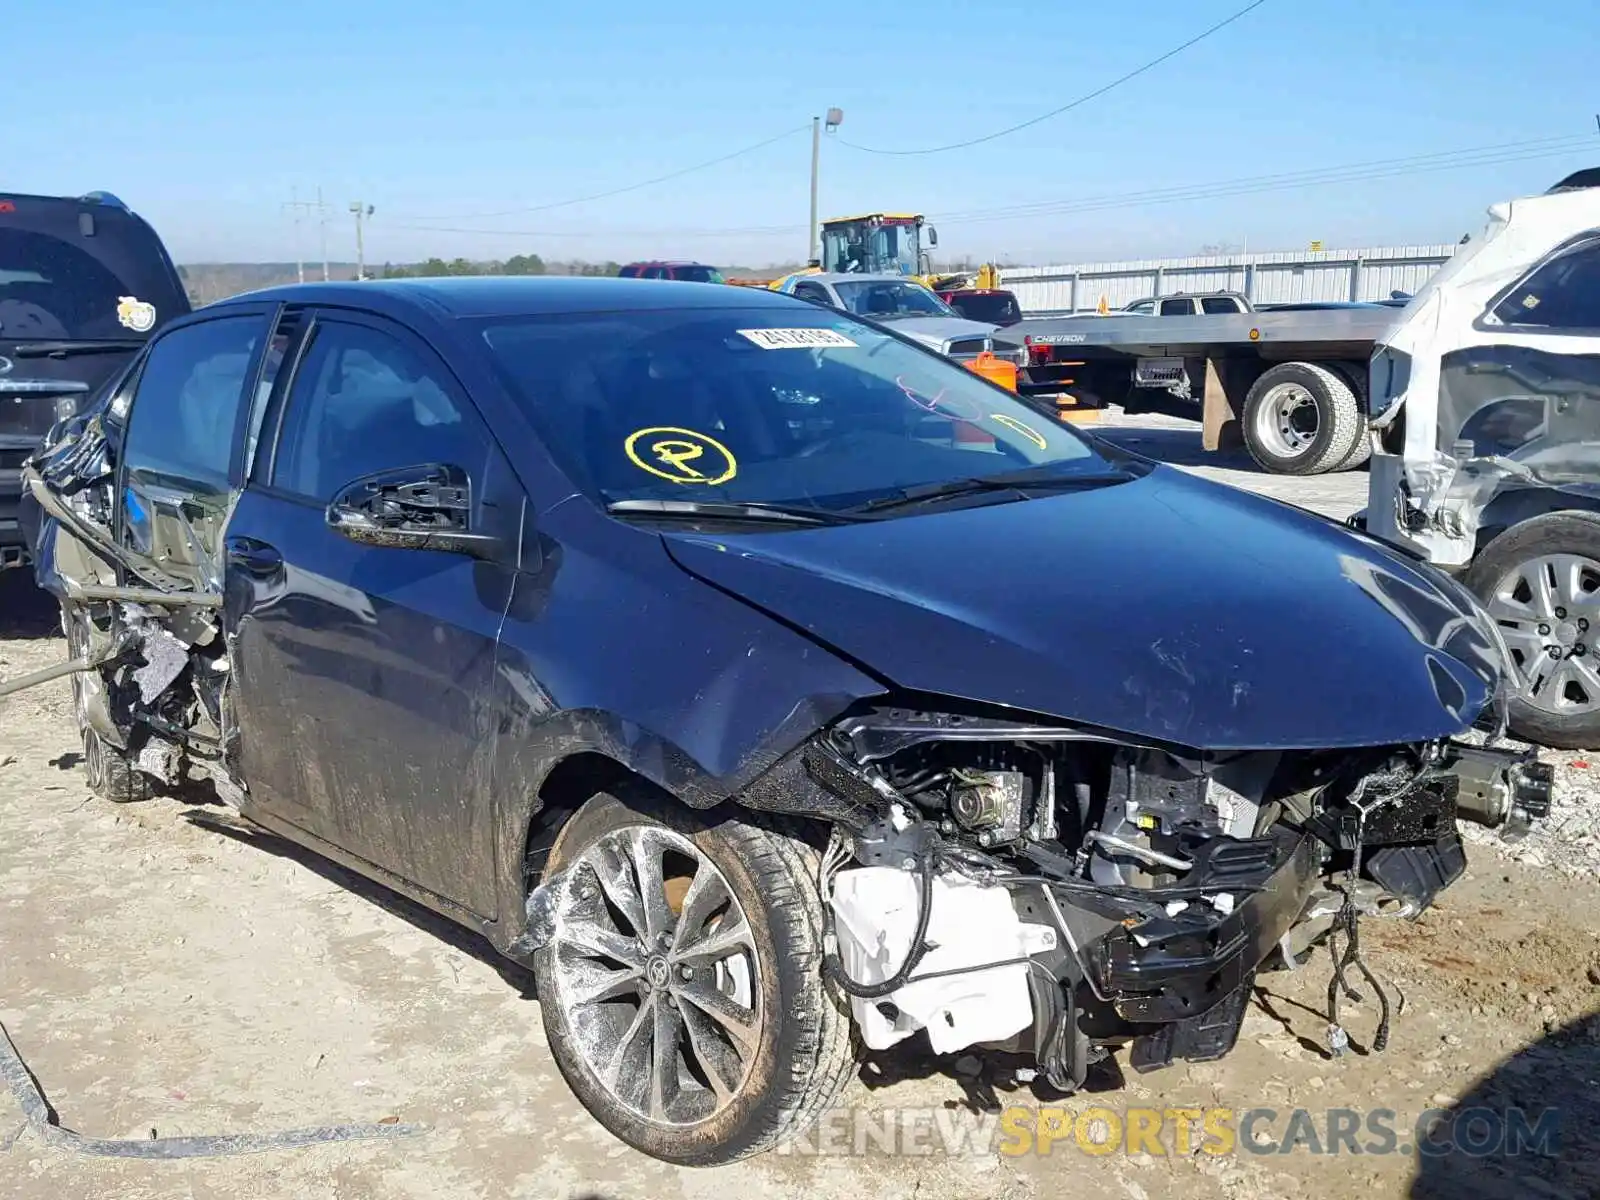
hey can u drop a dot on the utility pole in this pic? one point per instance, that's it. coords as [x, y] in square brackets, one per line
[299, 261]
[816, 160]
[300, 207]
[835, 119]
[322, 225]
[361, 211]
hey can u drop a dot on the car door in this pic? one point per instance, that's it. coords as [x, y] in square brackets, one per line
[365, 669]
[178, 455]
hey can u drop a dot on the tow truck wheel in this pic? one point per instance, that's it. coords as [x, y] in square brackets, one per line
[1301, 419]
[682, 991]
[1540, 581]
[108, 769]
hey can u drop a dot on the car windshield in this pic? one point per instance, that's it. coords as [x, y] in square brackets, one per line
[765, 406]
[995, 308]
[888, 298]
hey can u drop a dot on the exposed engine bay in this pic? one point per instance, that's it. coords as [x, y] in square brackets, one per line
[1054, 892]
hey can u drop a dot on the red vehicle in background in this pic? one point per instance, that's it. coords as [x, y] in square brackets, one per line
[692, 271]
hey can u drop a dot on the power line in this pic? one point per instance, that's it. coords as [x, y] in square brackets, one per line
[1389, 168]
[1084, 99]
[1447, 160]
[632, 187]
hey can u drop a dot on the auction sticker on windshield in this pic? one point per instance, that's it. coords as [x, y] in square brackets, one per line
[680, 455]
[797, 339]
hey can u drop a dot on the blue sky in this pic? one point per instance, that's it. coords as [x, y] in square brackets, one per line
[205, 115]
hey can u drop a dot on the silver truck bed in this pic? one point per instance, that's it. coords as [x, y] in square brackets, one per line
[1198, 337]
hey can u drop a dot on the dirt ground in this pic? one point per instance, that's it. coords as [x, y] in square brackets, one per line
[162, 972]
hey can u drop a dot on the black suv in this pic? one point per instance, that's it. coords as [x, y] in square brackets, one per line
[83, 283]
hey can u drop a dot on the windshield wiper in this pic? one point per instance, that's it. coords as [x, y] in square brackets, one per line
[1029, 480]
[66, 349]
[729, 510]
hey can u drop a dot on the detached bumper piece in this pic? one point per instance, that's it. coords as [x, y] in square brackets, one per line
[1189, 969]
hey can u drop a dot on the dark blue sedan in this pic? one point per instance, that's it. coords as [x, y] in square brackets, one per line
[768, 683]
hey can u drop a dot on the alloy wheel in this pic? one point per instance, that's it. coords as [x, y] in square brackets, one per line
[658, 975]
[1548, 610]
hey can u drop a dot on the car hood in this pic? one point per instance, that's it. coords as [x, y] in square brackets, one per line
[1167, 608]
[936, 331]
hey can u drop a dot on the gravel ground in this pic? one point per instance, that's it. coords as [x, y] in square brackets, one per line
[163, 971]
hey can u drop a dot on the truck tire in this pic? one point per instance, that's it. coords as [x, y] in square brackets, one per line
[1356, 376]
[1301, 419]
[757, 1044]
[108, 770]
[1539, 580]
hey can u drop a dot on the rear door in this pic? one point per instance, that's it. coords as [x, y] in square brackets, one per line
[365, 672]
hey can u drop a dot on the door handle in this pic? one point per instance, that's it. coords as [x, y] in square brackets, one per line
[253, 557]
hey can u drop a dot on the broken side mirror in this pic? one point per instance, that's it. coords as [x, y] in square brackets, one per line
[419, 508]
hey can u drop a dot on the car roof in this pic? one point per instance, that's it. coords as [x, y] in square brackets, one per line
[518, 295]
[668, 262]
[857, 277]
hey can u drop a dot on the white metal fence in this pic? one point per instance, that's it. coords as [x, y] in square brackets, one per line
[1285, 277]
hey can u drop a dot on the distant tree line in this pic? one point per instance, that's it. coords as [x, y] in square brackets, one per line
[517, 264]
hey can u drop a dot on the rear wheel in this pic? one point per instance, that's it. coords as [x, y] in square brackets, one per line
[682, 993]
[1540, 581]
[1355, 375]
[1301, 419]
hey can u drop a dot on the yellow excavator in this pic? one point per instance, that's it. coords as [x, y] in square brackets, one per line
[884, 243]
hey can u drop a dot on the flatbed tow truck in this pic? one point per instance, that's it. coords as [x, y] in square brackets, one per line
[1291, 386]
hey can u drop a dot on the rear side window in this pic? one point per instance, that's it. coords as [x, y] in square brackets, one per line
[697, 274]
[1563, 293]
[1219, 304]
[814, 292]
[364, 401]
[187, 404]
[1177, 308]
[631, 271]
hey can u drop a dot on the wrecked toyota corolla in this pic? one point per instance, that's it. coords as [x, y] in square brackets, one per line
[760, 678]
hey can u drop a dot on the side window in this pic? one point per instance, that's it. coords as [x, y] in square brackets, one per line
[364, 401]
[1219, 304]
[187, 404]
[655, 273]
[1177, 308]
[813, 292]
[1144, 308]
[1564, 293]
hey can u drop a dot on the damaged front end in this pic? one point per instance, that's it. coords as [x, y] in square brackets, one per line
[148, 661]
[1054, 892]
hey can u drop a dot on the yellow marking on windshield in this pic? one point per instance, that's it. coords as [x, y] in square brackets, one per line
[1017, 426]
[680, 455]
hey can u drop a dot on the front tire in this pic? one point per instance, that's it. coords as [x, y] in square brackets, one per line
[1301, 419]
[682, 993]
[109, 770]
[1540, 582]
